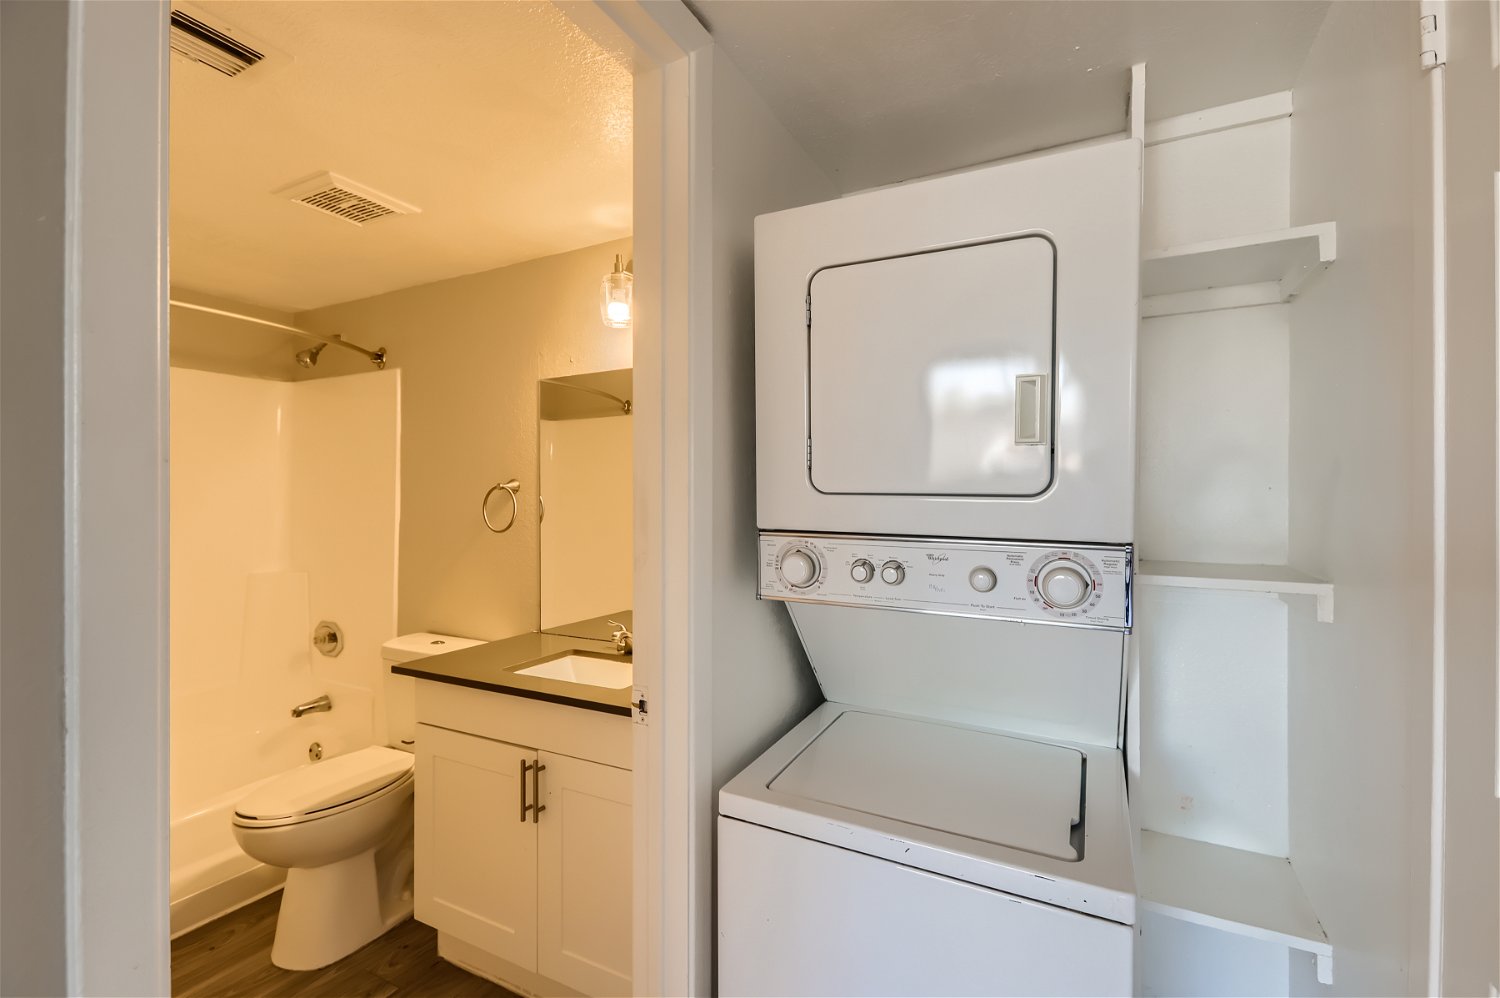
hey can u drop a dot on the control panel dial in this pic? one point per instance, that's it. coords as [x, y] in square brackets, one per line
[1064, 586]
[800, 567]
[982, 579]
[893, 573]
[862, 571]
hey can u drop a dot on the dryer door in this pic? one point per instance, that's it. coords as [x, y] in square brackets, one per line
[929, 373]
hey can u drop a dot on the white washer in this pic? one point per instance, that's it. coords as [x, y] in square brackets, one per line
[955, 821]
[954, 357]
[870, 853]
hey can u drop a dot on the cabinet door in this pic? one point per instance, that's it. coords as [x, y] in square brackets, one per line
[476, 858]
[584, 876]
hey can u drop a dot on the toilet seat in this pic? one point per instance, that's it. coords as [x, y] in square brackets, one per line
[326, 788]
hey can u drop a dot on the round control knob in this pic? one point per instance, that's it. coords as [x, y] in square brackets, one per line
[982, 579]
[799, 567]
[1064, 585]
[892, 573]
[862, 571]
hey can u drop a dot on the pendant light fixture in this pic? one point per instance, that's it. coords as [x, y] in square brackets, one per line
[615, 295]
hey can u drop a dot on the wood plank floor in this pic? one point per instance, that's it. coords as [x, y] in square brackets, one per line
[232, 956]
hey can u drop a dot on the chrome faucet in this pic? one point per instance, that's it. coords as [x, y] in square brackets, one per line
[314, 706]
[624, 641]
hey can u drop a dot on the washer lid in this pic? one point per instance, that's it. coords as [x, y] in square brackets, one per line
[988, 787]
[326, 784]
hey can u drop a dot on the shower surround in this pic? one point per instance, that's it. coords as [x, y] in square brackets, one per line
[284, 512]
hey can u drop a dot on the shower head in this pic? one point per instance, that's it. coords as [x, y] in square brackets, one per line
[309, 358]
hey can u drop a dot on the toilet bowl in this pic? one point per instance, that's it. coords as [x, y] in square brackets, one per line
[342, 828]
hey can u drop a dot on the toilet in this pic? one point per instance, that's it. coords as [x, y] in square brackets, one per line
[342, 828]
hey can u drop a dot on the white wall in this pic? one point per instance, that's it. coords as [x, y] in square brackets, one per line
[586, 482]
[284, 509]
[33, 93]
[1359, 485]
[1471, 935]
[470, 351]
[760, 682]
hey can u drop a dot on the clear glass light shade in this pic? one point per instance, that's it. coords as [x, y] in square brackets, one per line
[615, 294]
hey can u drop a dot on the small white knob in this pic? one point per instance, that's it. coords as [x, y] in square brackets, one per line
[862, 571]
[892, 573]
[799, 567]
[982, 579]
[1064, 586]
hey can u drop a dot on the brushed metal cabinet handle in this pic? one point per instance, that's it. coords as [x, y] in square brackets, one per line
[537, 806]
[524, 806]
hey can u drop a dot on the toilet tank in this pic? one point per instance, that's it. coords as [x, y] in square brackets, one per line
[401, 691]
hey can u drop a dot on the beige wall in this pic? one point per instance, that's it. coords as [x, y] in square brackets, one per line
[470, 351]
[1471, 921]
[33, 132]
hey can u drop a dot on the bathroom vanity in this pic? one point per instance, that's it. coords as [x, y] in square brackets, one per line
[523, 812]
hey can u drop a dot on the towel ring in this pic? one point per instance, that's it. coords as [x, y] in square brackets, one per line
[510, 488]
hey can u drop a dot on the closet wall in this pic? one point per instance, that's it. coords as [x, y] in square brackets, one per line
[1360, 510]
[1295, 435]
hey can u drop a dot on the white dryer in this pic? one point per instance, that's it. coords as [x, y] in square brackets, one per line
[954, 357]
[954, 821]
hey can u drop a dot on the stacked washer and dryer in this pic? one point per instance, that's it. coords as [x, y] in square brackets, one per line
[946, 474]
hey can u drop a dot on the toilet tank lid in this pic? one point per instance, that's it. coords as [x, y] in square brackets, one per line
[423, 644]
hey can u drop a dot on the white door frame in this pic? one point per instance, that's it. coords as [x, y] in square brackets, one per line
[115, 467]
[115, 502]
[673, 875]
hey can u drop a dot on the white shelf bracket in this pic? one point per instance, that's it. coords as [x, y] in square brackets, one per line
[1138, 101]
[1325, 968]
[1325, 615]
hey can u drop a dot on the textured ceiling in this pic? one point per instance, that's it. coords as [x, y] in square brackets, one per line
[505, 124]
[879, 91]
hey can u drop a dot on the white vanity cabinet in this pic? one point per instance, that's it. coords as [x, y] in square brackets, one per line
[583, 875]
[546, 891]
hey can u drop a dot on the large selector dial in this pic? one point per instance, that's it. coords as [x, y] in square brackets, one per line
[1064, 584]
[800, 567]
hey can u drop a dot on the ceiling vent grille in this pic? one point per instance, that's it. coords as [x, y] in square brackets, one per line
[214, 48]
[343, 198]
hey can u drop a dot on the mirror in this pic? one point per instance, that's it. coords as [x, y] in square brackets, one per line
[584, 473]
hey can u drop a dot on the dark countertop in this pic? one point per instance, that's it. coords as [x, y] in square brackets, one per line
[493, 667]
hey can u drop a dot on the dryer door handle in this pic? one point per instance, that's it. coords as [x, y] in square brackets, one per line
[1032, 411]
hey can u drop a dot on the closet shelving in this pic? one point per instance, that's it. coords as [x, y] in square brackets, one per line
[1233, 890]
[1281, 580]
[1259, 269]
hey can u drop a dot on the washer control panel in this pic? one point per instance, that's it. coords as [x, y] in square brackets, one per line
[1086, 586]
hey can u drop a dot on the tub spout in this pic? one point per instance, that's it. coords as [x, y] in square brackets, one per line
[324, 702]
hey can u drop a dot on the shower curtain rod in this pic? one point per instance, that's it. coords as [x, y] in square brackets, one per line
[625, 404]
[377, 357]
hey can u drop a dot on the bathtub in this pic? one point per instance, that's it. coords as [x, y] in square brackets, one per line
[219, 757]
[211, 875]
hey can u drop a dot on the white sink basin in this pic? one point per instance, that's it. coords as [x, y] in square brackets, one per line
[585, 669]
